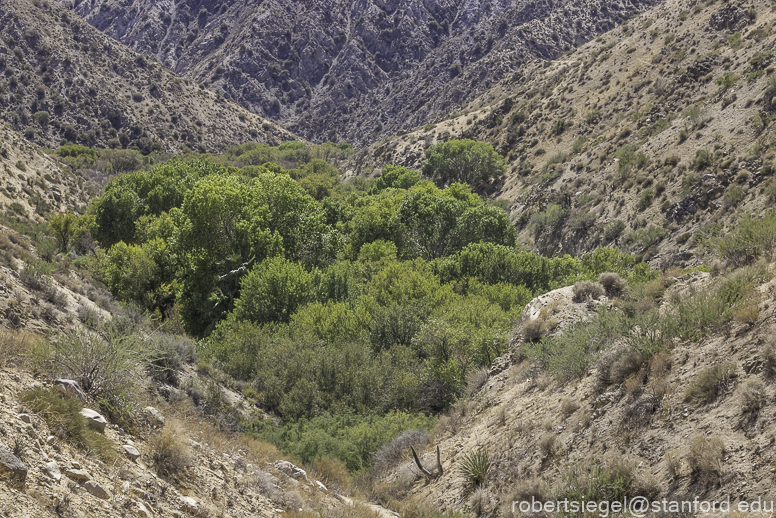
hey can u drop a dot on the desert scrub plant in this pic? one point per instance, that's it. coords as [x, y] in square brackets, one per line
[646, 197]
[587, 290]
[710, 384]
[750, 239]
[673, 462]
[389, 455]
[704, 457]
[609, 481]
[103, 363]
[614, 285]
[64, 420]
[474, 466]
[568, 406]
[753, 397]
[170, 453]
[703, 159]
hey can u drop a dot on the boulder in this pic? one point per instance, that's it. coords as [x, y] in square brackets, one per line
[78, 474]
[69, 388]
[188, 504]
[156, 416]
[12, 468]
[94, 489]
[131, 451]
[289, 469]
[52, 470]
[142, 510]
[94, 419]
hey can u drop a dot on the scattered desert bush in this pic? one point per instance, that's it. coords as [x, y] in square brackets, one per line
[673, 462]
[64, 420]
[753, 396]
[474, 466]
[331, 472]
[539, 327]
[750, 239]
[170, 452]
[103, 363]
[768, 356]
[392, 453]
[704, 457]
[611, 481]
[587, 290]
[613, 284]
[549, 445]
[710, 384]
[568, 406]
[476, 379]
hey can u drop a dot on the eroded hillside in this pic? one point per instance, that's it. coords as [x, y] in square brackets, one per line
[62, 80]
[353, 71]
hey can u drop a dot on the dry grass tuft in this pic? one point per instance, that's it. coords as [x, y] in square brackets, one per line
[588, 290]
[752, 396]
[568, 406]
[170, 452]
[704, 457]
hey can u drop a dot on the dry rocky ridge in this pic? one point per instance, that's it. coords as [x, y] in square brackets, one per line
[657, 84]
[352, 71]
[62, 80]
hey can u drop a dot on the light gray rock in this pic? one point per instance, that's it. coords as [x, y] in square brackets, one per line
[189, 504]
[131, 452]
[78, 474]
[142, 510]
[52, 470]
[69, 388]
[290, 470]
[95, 490]
[94, 419]
[12, 468]
[156, 416]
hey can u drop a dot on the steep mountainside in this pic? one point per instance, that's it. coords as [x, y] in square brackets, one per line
[352, 70]
[641, 138]
[32, 183]
[60, 79]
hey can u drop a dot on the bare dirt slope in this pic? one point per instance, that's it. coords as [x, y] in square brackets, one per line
[32, 183]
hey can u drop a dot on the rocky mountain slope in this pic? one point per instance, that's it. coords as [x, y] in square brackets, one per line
[641, 138]
[33, 184]
[60, 79]
[353, 71]
[548, 438]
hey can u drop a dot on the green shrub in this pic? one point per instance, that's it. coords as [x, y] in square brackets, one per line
[703, 159]
[750, 239]
[64, 420]
[710, 384]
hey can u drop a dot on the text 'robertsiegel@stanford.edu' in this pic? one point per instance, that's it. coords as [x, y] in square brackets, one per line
[640, 506]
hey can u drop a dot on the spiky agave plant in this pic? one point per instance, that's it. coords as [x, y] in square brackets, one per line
[474, 466]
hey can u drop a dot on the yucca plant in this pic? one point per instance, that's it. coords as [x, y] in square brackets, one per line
[474, 466]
